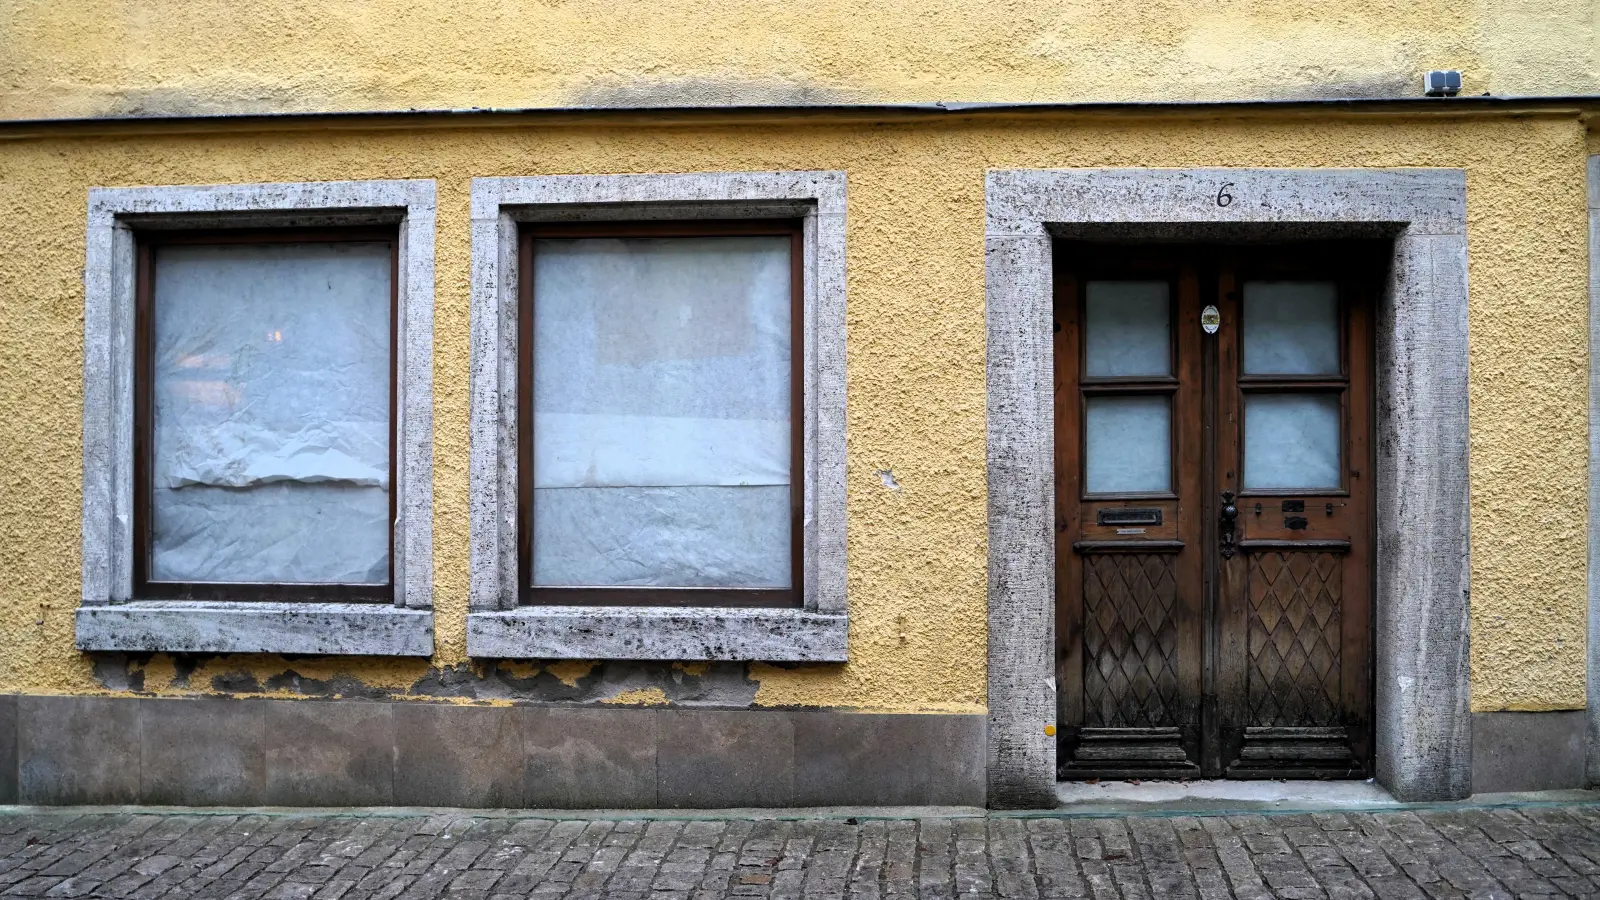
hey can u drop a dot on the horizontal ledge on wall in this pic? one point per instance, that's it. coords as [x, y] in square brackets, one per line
[342, 629]
[661, 633]
[450, 117]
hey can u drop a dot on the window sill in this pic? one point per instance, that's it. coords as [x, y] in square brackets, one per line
[664, 633]
[333, 629]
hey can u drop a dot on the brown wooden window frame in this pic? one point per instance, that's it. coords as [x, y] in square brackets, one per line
[627, 595]
[145, 247]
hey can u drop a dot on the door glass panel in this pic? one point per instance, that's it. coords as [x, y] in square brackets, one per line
[1127, 328]
[1291, 441]
[1128, 445]
[1291, 328]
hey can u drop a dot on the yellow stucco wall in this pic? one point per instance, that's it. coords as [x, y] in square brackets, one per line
[122, 57]
[917, 576]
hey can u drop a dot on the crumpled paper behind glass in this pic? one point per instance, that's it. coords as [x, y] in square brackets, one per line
[271, 435]
[661, 412]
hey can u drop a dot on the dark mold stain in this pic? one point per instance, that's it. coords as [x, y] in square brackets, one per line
[235, 683]
[184, 666]
[1380, 87]
[721, 684]
[651, 93]
[121, 671]
[338, 686]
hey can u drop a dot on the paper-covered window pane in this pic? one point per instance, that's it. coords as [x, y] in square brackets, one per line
[1128, 445]
[1127, 328]
[1291, 441]
[661, 402]
[1291, 328]
[270, 457]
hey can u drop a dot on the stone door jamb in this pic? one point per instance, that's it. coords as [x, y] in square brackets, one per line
[1423, 725]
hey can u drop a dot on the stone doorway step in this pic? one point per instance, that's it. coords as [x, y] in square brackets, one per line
[1218, 795]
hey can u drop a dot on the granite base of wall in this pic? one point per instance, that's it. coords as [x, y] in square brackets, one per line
[1527, 751]
[224, 752]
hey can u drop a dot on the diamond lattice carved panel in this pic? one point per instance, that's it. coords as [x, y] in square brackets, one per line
[1295, 625]
[1130, 641]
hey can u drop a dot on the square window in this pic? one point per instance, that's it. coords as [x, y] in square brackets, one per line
[1127, 444]
[266, 404]
[1291, 328]
[660, 425]
[1292, 440]
[1127, 329]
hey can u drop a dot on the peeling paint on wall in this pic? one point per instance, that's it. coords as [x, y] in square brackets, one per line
[703, 684]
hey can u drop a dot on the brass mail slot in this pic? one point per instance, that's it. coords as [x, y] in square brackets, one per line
[1128, 515]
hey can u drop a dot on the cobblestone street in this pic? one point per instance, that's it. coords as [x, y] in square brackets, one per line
[1479, 853]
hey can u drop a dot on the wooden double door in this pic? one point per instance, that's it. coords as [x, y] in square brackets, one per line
[1214, 411]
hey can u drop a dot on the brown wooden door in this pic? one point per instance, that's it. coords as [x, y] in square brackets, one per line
[1214, 510]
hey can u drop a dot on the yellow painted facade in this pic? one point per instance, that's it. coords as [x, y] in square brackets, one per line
[87, 58]
[917, 575]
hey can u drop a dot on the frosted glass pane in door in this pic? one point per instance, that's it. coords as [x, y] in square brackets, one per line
[1291, 441]
[1127, 328]
[661, 409]
[1291, 328]
[1128, 445]
[270, 445]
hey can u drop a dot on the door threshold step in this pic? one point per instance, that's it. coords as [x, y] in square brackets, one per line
[1220, 795]
[1211, 795]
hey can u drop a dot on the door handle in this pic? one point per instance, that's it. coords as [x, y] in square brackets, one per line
[1227, 521]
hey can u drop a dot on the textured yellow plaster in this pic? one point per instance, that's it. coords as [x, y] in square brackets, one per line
[651, 696]
[917, 572]
[158, 673]
[517, 668]
[122, 57]
[569, 671]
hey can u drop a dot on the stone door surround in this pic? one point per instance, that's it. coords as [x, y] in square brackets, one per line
[1423, 726]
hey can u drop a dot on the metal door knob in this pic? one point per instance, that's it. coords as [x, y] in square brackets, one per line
[1228, 521]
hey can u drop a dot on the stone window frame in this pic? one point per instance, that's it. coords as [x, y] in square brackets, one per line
[497, 627]
[110, 617]
[1421, 717]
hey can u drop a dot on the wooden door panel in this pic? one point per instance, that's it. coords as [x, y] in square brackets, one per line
[1294, 666]
[1182, 653]
[1295, 637]
[1294, 657]
[1130, 638]
[1319, 753]
[1136, 716]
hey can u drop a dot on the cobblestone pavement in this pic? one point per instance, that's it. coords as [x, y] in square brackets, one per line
[1521, 852]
